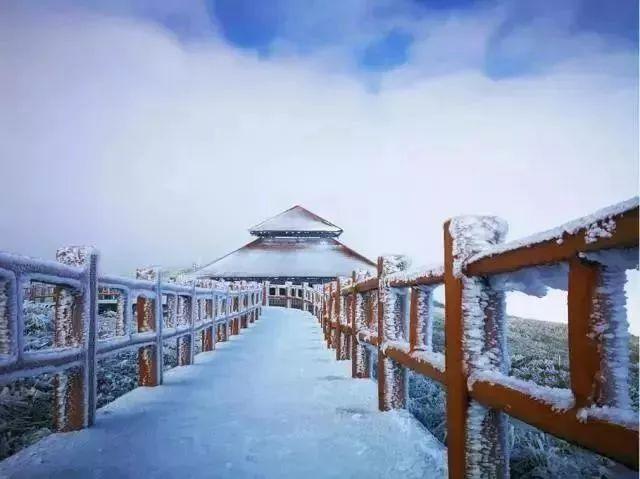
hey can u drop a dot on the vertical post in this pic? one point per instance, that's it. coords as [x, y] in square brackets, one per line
[392, 377]
[159, 328]
[207, 340]
[345, 319]
[75, 389]
[194, 316]
[323, 311]
[147, 366]
[337, 333]
[223, 332]
[474, 315]
[7, 315]
[359, 354]
[421, 319]
[287, 285]
[147, 320]
[305, 287]
[68, 398]
[92, 330]
[327, 324]
[598, 335]
[184, 350]
[214, 327]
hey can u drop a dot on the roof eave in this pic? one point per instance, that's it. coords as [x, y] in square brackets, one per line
[296, 233]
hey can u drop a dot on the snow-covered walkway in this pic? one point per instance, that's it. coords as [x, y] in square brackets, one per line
[270, 403]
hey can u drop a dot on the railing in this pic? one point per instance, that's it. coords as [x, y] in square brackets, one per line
[148, 312]
[391, 315]
[296, 296]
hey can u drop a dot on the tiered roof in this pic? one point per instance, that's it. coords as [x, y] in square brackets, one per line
[296, 245]
[296, 221]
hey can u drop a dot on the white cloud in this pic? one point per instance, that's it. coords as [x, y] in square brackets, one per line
[113, 133]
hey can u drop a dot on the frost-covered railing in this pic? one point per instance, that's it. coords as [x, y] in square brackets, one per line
[148, 312]
[289, 295]
[391, 315]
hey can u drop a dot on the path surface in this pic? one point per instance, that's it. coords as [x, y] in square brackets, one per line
[270, 403]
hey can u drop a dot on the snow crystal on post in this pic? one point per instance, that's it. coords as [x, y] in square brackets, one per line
[421, 319]
[147, 366]
[334, 333]
[69, 400]
[75, 325]
[360, 356]
[475, 332]
[610, 323]
[342, 314]
[149, 357]
[598, 328]
[305, 288]
[392, 309]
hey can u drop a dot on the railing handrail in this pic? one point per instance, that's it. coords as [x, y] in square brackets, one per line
[215, 310]
[582, 414]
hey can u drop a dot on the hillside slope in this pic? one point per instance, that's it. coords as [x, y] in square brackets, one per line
[539, 352]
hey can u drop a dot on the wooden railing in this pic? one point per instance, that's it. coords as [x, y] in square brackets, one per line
[148, 312]
[289, 295]
[391, 315]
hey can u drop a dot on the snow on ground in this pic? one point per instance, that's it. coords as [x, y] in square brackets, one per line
[272, 402]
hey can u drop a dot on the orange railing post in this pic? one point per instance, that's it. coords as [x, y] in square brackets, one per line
[476, 436]
[594, 294]
[75, 320]
[360, 357]
[392, 377]
[337, 333]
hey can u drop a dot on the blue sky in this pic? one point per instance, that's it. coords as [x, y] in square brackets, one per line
[393, 27]
[523, 37]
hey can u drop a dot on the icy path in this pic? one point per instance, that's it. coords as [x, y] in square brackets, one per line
[271, 403]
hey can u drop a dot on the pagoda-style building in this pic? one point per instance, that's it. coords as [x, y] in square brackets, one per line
[296, 246]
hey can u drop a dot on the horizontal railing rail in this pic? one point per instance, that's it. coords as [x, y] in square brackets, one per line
[391, 315]
[148, 312]
[289, 295]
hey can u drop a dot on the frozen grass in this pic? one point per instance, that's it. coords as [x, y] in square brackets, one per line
[38, 325]
[26, 413]
[169, 353]
[117, 375]
[539, 353]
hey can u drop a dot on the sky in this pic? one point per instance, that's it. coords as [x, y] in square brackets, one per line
[159, 131]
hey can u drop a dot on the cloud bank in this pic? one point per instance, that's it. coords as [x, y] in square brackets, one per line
[116, 133]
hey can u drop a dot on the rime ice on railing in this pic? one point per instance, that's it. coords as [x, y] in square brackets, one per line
[81, 337]
[392, 379]
[5, 333]
[587, 258]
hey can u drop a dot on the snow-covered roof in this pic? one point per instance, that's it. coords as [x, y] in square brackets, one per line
[296, 221]
[280, 257]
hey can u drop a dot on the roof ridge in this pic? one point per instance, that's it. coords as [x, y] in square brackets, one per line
[288, 222]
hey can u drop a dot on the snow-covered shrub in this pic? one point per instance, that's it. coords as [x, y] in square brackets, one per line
[437, 341]
[536, 454]
[117, 375]
[107, 324]
[428, 403]
[38, 325]
[26, 412]
[170, 354]
[197, 343]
